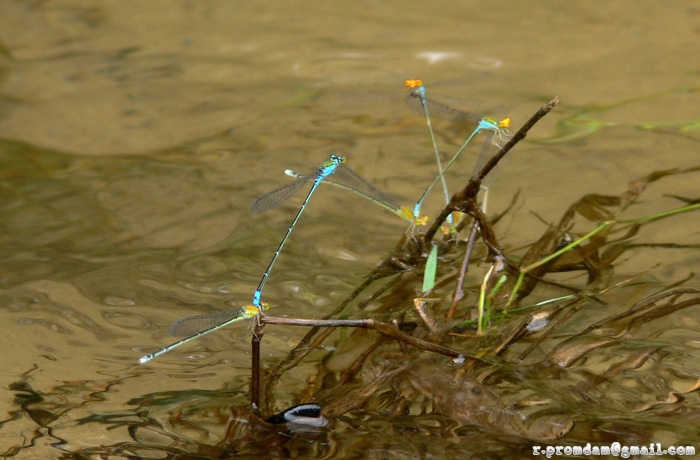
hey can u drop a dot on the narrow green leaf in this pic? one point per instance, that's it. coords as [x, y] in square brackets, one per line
[430, 270]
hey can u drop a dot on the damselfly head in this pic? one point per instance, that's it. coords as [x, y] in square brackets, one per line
[251, 310]
[407, 214]
[337, 159]
[413, 82]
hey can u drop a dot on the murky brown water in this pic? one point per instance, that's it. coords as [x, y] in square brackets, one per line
[133, 138]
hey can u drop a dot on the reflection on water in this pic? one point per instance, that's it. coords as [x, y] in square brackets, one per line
[132, 141]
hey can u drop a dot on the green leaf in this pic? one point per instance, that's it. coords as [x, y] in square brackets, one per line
[430, 270]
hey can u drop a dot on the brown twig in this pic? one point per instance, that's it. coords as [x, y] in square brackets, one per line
[517, 137]
[258, 332]
[465, 199]
[383, 328]
[463, 270]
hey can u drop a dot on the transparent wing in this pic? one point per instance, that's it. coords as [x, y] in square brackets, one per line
[195, 324]
[346, 177]
[439, 109]
[276, 197]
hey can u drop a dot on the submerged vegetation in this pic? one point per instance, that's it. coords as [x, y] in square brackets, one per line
[551, 344]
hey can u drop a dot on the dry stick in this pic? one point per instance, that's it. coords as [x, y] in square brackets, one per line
[520, 135]
[473, 234]
[463, 270]
[465, 199]
[258, 331]
[382, 328]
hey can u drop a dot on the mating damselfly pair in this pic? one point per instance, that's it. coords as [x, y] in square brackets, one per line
[197, 326]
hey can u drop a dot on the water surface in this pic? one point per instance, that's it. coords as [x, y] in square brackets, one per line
[133, 138]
